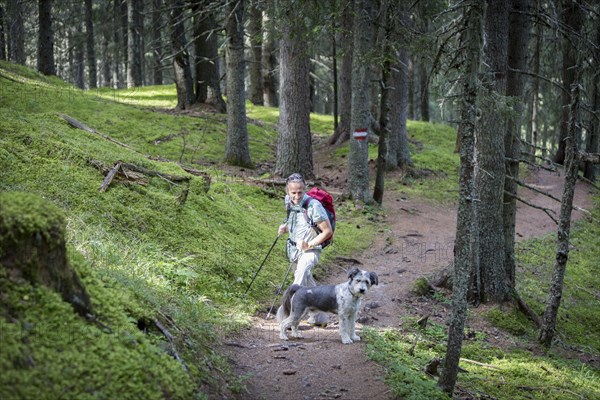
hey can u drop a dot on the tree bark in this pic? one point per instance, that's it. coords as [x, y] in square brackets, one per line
[384, 105]
[134, 44]
[157, 47]
[518, 40]
[16, 31]
[2, 35]
[181, 63]
[535, 86]
[77, 38]
[342, 133]
[571, 16]
[45, 62]
[548, 328]
[466, 226]
[116, 26]
[269, 64]
[294, 143]
[237, 151]
[255, 31]
[411, 88]
[489, 281]
[208, 85]
[590, 170]
[358, 168]
[90, 46]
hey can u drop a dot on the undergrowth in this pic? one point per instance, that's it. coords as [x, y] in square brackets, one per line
[143, 255]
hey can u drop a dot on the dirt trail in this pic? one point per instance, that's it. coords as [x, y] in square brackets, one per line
[419, 241]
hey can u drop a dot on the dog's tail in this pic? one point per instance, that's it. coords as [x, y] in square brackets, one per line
[284, 310]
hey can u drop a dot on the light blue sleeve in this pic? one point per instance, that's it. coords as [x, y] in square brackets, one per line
[317, 212]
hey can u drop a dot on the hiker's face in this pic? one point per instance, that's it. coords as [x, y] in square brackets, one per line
[296, 192]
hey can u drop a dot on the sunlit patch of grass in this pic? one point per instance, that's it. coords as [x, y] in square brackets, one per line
[163, 96]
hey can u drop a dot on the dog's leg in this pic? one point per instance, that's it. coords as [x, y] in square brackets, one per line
[344, 329]
[295, 332]
[283, 327]
[352, 327]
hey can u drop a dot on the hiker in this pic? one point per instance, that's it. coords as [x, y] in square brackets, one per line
[304, 244]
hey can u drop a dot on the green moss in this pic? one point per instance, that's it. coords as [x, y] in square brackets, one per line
[512, 322]
[24, 214]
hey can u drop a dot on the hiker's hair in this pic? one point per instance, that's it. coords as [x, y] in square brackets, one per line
[296, 177]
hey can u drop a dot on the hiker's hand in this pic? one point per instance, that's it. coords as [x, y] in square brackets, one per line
[282, 229]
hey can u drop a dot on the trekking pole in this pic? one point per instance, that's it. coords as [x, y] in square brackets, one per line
[261, 265]
[279, 290]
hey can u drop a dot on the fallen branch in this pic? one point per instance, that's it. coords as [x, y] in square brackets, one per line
[478, 363]
[593, 158]
[586, 180]
[525, 309]
[533, 145]
[544, 209]
[523, 160]
[525, 185]
[109, 177]
[547, 160]
[76, 124]
[168, 335]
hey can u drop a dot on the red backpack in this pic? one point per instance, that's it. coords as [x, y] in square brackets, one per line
[326, 201]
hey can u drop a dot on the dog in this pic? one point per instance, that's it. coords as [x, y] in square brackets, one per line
[343, 299]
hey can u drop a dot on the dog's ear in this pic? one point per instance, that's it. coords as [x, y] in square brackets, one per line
[374, 278]
[353, 272]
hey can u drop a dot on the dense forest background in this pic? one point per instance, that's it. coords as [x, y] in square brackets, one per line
[518, 79]
[133, 43]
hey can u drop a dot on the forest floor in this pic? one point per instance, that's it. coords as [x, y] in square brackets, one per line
[418, 240]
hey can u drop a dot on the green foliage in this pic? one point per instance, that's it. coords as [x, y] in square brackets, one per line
[502, 374]
[578, 322]
[404, 372]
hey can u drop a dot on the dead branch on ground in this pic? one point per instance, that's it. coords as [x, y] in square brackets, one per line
[544, 209]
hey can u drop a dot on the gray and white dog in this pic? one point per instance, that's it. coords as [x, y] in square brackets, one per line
[343, 299]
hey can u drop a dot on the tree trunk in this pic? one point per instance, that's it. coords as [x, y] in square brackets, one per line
[518, 40]
[384, 129]
[571, 16]
[181, 63]
[237, 151]
[2, 35]
[424, 80]
[269, 64]
[398, 151]
[79, 56]
[489, 281]
[125, 39]
[411, 88]
[466, 223]
[342, 133]
[535, 87]
[134, 44]
[358, 168]
[208, 86]
[548, 329]
[334, 72]
[384, 103]
[590, 170]
[117, 76]
[106, 58]
[45, 60]
[90, 43]
[294, 143]
[16, 31]
[256, 34]
[157, 48]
